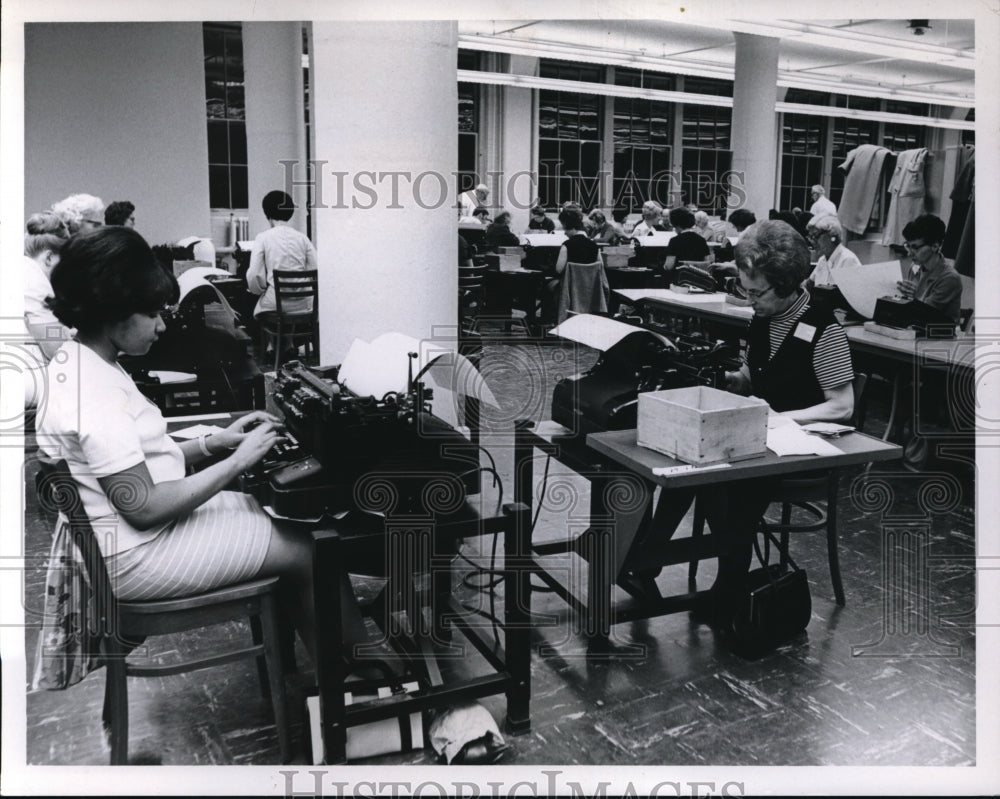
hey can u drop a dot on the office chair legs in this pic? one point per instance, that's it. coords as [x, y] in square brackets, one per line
[115, 714]
[276, 678]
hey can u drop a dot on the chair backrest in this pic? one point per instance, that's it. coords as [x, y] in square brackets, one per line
[584, 289]
[296, 290]
[58, 493]
[470, 278]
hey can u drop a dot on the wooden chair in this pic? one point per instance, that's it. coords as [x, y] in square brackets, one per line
[812, 493]
[290, 324]
[470, 293]
[584, 289]
[122, 625]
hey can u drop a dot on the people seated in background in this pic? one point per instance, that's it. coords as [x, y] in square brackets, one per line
[601, 230]
[618, 217]
[932, 280]
[799, 362]
[578, 249]
[739, 220]
[187, 534]
[499, 234]
[791, 219]
[827, 238]
[120, 212]
[701, 225]
[665, 219]
[45, 236]
[482, 216]
[651, 220]
[279, 247]
[469, 201]
[464, 252]
[687, 245]
[822, 205]
[80, 212]
[538, 222]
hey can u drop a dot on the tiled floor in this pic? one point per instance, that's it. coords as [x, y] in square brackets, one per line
[887, 680]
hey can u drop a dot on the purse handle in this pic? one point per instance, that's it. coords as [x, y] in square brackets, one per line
[768, 539]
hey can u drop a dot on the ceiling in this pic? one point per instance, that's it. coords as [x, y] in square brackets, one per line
[855, 56]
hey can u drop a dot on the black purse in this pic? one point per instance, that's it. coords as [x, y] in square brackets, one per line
[776, 606]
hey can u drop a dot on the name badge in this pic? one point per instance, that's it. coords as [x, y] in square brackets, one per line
[804, 332]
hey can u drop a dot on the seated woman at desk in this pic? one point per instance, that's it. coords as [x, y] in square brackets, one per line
[798, 360]
[46, 233]
[601, 230]
[687, 245]
[499, 234]
[827, 238]
[578, 249]
[651, 220]
[931, 279]
[172, 533]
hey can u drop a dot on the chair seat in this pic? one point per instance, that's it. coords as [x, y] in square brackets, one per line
[273, 317]
[229, 593]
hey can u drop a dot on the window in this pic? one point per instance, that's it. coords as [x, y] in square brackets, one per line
[706, 158]
[468, 125]
[807, 96]
[801, 159]
[569, 138]
[969, 136]
[642, 137]
[226, 112]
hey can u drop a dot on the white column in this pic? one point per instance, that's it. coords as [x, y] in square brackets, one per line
[272, 65]
[384, 109]
[755, 125]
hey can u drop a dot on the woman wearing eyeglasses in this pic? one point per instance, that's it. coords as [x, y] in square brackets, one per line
[827, 237]
[163, 532]
[931, 280]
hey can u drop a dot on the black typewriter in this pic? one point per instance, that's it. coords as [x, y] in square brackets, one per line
[606, 397]
[388, 454]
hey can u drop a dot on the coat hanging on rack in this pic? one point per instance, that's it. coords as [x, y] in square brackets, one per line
[864, 165]
[908, 189]
[962, 196]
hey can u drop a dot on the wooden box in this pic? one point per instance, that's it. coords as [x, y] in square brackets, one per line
[617, 255]
[700, 425]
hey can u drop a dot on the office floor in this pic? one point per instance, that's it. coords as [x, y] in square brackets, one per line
[887, 680]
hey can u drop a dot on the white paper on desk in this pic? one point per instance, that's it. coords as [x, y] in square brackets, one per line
[195, 277]
[544, 239]
[785, 437]
[374, 369]
[599, 332]
[195, 431]
[634, 295]
[863, 285]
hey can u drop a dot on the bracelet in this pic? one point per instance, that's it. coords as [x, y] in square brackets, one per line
[203, 445]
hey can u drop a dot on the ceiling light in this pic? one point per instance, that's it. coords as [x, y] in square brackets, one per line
[918, 26]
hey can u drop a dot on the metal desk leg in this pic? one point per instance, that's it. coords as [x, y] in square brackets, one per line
[598, 551]
[517, 609]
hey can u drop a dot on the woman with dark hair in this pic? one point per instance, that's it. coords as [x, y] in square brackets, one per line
[578, 248]
[931, 280]
[168, 533]
[602, 231]
[499, 234]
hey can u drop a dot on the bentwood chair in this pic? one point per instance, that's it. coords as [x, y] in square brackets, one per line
[119, 626]
[296, 319]
[814, 495]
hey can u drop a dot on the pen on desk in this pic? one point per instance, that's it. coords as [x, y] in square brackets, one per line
[688, 467]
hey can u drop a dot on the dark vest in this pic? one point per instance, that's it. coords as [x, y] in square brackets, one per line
[787, 382]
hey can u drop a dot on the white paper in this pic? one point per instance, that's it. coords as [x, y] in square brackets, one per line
[544, 239]
[863, 285]
[667, 294]
[195, 277]
[196, 430]
[165, 376]
[790, 439]
[599, 332]
[383, 366]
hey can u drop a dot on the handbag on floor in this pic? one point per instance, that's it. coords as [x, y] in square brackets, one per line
[776, 607]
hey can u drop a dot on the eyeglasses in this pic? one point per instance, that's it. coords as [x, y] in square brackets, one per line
[94, 222]
[756, 295]
[911, 247]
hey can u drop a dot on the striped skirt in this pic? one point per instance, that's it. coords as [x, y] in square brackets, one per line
[220, 543]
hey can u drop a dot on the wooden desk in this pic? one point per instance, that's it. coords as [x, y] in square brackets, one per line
[622, 484]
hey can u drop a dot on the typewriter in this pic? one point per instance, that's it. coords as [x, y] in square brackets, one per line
[344, 451]
[606, 397]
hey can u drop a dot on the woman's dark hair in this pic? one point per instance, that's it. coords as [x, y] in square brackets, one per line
[928, 227]
[619, 215]
[278, 205]
[106, 275]
[741, 218]
[681, 218]
[118, 212]
[480, 211]
[571, 219]
[502, 219]
[777, 251]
